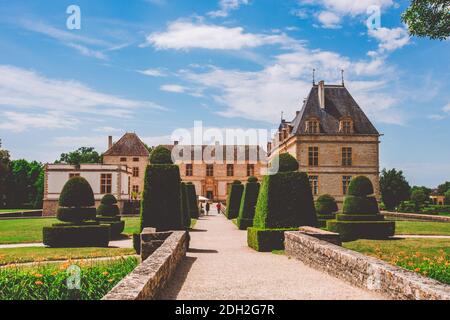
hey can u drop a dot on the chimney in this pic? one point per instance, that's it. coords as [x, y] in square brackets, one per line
[110, 143]
[321, 93]
[175, 143]
[297, 113]
[269, 146]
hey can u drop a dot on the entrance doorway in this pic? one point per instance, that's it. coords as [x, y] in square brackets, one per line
[210, 194]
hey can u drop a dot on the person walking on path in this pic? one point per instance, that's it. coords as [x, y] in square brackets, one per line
[219, 207]
[207, 208]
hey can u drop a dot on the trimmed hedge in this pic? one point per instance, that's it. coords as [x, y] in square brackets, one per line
[234, 200]
[185, 206]
[266, 240]
[191, 194]
[73, 236]
[360, 205]
[354, 230]
[361, 218]
[360, 186]
[108, 212]
[77, 192]
[248, 204]
[326, 207]
[287, 163]
[108, 206]
[285, 201]
[161, 155]
[76, 208]
[75, 215]
[161, 199]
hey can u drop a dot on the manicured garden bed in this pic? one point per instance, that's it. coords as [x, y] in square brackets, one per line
[429, 257]
[30, 230]
[49, 282]
[38, 254]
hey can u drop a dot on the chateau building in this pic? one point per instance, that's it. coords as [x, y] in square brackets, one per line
[213, 168]
[332, 139]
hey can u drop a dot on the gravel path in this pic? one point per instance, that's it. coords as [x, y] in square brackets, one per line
[219, 265]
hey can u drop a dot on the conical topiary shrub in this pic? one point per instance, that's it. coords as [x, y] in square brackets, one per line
[326, 208]
[285, 202]
[191, 194]
[77, 212]
[248, 204]
[108, 213]
[234, 200]
[161, 198]
[360, 218]
[185, 206]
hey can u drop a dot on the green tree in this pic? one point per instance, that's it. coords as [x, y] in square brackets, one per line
[25, 184]
[447, 198]
[80, 156]
[426, 190]
[394, 188]
[419, 198]
[5, 171]
[428, 18]
[443, 188]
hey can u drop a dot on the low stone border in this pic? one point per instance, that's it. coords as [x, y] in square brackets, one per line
[364, 271]
[415, 216]
[146, 281]
[20, 214]
[320, 234]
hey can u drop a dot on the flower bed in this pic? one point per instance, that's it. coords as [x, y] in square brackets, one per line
[49, 282]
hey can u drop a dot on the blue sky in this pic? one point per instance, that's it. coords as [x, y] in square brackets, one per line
[152, 66]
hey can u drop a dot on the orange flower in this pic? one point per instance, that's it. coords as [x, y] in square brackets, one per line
[105, 273]
[38, 283]
[38, 275]
[110, 280]
[417, 269]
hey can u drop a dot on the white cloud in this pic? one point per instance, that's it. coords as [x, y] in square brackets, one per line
[173, 88]
[226, 6]
[447, 108]
[329, 19]
[108, 129]
[348, 7]
[100, 143]
[19, 121]
[57, 99]
[437, 117]
[153, 72]
[188, 35]
[281, 85]
[390, 39]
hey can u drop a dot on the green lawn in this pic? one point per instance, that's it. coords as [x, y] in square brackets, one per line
[422, 228]
[38, 254]
[430, 257]
[30, 230]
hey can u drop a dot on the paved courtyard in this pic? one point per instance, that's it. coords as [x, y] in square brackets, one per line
[219, 265]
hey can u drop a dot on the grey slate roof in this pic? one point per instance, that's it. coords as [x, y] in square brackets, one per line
[128, 145]
[339, 103]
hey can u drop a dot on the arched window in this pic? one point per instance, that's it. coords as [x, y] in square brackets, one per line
[346, 126]
[312, 126]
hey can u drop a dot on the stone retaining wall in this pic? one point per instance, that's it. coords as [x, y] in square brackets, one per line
[146, 281]
[415, 216]
[363, 271]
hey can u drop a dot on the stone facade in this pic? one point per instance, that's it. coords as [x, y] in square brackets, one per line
[152, 275]
[332, 142]
[364, 271]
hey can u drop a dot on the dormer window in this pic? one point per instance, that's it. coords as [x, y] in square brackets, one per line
[346, 126]
[312, 126]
